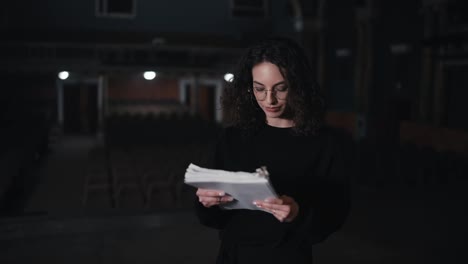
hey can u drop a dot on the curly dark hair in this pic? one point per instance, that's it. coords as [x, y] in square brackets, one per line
[305, 104]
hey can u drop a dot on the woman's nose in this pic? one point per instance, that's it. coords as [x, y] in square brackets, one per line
[271, 97]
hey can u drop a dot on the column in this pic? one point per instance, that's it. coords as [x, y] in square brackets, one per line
[60, 114]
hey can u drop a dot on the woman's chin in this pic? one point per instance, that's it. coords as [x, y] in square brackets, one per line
[273, 115]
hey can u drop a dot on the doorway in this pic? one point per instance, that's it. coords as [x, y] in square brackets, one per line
[80, 108]
[207, 102]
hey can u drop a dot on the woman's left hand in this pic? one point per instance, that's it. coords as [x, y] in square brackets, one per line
[284, 208]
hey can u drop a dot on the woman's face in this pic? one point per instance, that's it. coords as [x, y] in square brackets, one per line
[271, 90]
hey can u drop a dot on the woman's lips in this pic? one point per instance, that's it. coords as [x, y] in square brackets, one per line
[272, 109]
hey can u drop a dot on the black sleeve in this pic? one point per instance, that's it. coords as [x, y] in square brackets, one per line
[328, 205]
[214, 216]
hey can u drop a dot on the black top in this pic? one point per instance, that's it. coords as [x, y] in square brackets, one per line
[306, 168]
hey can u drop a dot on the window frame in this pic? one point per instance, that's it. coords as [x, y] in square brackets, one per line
[233, 7]
[106, 13]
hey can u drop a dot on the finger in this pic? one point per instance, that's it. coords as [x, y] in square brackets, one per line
[208, 192]
[283, 209]
[271, 206]
[279, 215]
[277, 207]
[263, 203]
[215, 199]
[209, 200]
[287, 199]
[274, 200]
[280, 212]
[208, 203]
[226, 199]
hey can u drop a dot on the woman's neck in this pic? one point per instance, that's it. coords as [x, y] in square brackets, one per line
[280, 122]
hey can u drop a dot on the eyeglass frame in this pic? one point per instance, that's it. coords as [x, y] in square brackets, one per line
[274, 91]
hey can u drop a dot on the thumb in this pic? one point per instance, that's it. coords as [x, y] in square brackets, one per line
[286, 199]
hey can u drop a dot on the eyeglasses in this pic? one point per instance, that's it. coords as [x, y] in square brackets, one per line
[279, 92]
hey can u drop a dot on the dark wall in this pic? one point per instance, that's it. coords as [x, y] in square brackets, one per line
[340, 35]
[184, 16]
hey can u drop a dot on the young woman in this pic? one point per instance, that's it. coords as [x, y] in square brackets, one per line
[275, 116]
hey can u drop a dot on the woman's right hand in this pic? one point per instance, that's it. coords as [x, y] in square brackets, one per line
[210, 198]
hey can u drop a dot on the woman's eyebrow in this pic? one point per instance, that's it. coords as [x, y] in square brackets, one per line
[276, 84]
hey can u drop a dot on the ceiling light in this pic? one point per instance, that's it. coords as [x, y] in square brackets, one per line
[149, 75]
[228, 77]
[63, 75]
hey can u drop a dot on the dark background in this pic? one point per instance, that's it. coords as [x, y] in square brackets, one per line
[91, 167]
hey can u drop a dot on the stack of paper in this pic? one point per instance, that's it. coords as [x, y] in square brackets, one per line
[244, 187]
